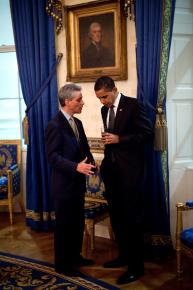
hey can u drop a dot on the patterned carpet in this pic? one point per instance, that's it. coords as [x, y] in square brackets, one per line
[23, 273]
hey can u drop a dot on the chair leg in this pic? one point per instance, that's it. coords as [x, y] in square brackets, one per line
[90, 227]
[179, 226]
[179, 264]
[179, 270]
[111, 234]
[92, 237]
[10, 205]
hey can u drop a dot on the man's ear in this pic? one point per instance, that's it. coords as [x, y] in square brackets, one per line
[114, 90]
[66, 102]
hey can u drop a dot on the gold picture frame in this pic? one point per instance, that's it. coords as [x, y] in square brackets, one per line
[110, 58]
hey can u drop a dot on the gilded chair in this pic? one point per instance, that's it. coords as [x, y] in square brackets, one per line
[96, 208]
[184, 238]
[10, 175]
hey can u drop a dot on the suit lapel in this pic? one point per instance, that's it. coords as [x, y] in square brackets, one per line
[66, 126]
[120, 113]
[64, 122]
[104, 116]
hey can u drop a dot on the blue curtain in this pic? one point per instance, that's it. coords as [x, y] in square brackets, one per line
[154, 23]
[35, 48]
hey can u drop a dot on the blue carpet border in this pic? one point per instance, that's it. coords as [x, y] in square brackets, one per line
[50, 267]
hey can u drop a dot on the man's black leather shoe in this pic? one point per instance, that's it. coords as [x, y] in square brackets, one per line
[129, 277]
[115, 263]
[84, 262]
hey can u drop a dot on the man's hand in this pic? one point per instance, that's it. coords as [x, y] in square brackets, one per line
[85, 168]
[109, 138]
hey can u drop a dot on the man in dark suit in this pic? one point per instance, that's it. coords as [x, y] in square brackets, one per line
[69, 155]
[96, 54]
[122, 170]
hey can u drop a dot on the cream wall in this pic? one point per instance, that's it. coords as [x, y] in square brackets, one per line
[180, 111]
[90, 115]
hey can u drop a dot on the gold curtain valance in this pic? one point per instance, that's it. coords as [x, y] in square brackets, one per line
[54, 9]
[129, 9]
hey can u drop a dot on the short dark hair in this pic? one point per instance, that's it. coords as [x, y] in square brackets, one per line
[104, 82]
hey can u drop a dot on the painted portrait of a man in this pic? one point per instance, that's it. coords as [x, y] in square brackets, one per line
[97, 47]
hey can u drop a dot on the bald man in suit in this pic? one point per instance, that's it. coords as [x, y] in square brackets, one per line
[70, 158]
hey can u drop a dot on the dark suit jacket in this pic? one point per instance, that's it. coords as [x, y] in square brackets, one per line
[134, 129]
[63, 153]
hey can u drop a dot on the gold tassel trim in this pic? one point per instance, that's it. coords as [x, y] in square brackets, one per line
[161, 132]
[25, 127]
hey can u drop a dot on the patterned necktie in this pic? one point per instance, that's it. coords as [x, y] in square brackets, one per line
[74, 128]
[111, 119]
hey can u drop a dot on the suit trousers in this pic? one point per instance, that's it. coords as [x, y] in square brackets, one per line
[126, 213]
[68, 233]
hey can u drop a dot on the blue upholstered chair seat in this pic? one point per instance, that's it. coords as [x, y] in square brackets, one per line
[4, 182]
[3, 187]
[10, 177]
[16, 178]
[187, 237]
[187, 234]
[94, 209]
[189, 203]
[184, 237]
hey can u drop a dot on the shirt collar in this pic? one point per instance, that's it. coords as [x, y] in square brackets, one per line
[116, 103]
[66, 115]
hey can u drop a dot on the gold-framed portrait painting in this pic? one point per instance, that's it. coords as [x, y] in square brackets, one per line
[96, 41]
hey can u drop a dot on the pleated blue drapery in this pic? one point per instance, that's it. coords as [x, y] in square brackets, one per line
[150, 17]
[35, 49]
